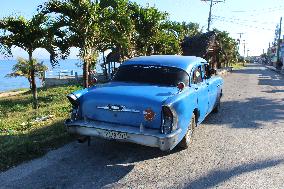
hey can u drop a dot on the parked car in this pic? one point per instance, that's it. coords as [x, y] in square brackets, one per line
[155, 101]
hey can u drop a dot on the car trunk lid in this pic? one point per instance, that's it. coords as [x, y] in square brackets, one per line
[126, 103]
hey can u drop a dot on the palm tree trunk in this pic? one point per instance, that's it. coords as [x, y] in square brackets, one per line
[33, 82]
[30, 81]
[86, 74]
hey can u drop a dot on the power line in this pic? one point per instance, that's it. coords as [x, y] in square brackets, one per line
[236, 22]
[243, 20]
[262, 10]
[250, 26]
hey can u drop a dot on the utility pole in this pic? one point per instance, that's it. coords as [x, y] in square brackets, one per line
[244, 43]
[278, 45]
[239, 40]
[240, 35]
[210, 15]
[210, 11]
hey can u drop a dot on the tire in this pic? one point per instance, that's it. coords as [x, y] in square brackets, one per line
[217, 106]
[185, 142]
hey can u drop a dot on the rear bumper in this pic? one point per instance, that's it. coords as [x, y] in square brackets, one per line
[148, 137]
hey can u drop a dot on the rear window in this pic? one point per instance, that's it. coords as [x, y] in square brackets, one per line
[156, 75]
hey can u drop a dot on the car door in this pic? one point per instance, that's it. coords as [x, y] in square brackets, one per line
[211, 86]
[200, 87]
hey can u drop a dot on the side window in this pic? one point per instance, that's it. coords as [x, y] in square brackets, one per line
[197, 77]
[205, 71]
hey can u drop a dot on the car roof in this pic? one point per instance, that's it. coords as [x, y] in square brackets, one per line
[183, 62]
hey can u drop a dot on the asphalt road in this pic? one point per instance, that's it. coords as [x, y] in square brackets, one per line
[242, 146]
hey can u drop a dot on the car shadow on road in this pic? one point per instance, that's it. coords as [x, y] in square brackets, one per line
[215, 177]
[101, 164]
[248, 113]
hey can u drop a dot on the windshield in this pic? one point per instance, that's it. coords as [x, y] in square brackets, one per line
[157, 75]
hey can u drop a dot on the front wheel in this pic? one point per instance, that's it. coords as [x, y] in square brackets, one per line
[185, 142]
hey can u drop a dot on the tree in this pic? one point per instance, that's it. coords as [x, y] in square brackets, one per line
[117, 27]
[28, 35]
[147, 22]
[23, 69]
[276, 36]
[77, 23]
[173, 33]
[181, 30]
[229, 48]
[155, 34]
[165, 43]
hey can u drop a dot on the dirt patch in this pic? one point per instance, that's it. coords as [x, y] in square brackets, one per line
[11, 93]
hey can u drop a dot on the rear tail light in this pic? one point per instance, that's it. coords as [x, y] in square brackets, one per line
[180, 86]
[73, 100]
[167, 120]
[75, 103]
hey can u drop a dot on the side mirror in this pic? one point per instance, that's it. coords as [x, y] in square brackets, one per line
[95, 80]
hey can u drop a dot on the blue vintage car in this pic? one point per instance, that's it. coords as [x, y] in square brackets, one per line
[155, 101]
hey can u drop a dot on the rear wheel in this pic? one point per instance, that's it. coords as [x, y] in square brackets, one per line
[185, 142]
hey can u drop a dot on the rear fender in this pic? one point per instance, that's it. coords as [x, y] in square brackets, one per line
[77, 95]
[80, 93]
[184, 104]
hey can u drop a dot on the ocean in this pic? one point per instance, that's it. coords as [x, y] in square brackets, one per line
[6, 66]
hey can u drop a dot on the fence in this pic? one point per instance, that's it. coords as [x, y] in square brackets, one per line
[63, 77]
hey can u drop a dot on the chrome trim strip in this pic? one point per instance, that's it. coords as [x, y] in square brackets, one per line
[119, 109]
[103, 107]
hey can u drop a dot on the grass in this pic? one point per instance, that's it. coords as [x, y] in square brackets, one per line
[238, 65]
[21, 138]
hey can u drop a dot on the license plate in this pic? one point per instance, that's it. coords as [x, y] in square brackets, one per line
[114, 134]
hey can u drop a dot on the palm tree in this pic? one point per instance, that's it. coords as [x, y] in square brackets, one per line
[28, 35]
[147, 23]
[181, 29]
[171, 35]
[77, 23]
[229, 48]
[117, 27]
[22, 69]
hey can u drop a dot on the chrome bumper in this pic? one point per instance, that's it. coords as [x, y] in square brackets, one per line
[149, 137]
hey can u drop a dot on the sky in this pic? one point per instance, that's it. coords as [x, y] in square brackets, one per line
[256, 19]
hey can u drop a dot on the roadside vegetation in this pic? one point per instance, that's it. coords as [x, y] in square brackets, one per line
[28, 35]
[26, 133]
[238, 65]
